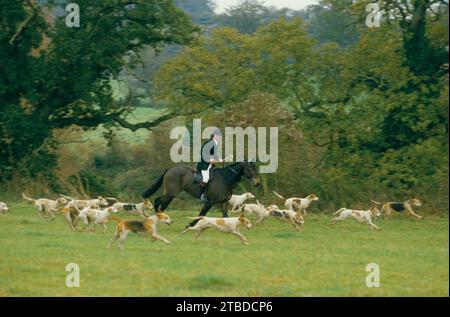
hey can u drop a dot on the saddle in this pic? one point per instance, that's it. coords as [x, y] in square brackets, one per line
[198, 178]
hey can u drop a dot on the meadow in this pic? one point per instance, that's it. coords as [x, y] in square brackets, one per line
[321, 260]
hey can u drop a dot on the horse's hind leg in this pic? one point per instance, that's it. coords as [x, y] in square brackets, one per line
[161, 203]
[224, 210]
[157, 204]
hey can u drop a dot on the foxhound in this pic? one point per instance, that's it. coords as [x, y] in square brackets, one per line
[135, 209]
[390, 207]
[82, 203]
[363, 216]
[99, 216]
[3, 208]
[295, 218]
[229, 225]
[257, 209]
[298, 204]
[92, 215]
[145, 226]
[71, 214]
[47, 207]
[237, 200]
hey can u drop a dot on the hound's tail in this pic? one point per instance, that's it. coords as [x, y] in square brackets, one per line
[339, 211]
[258, 203]
[66, 197]
[278, 195]
[196, 218]
[28, 198]
[154, 187]
[241, 207]
[376, 202]
[114, 218]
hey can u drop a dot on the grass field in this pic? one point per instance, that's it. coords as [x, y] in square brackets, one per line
[323, 260]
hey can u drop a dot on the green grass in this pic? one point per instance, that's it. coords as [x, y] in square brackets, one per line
[323, 260]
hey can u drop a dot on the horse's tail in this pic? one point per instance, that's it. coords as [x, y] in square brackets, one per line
[154, 187]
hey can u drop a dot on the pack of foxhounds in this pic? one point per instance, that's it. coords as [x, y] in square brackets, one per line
[101, 210]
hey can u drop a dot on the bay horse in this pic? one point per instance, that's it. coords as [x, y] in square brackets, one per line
[220, 188]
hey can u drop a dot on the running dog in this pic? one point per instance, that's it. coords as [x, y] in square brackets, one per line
[237, 200]
[258, 209]
[3, 208]
[293, 217]
[390, 207]
[145, 226]
[82, 203]
[92, 215]
[297, 204]
[135, 209]
[99, 216]
[111, 201]
[229, 225]
[363, 216]
[47, 207]
[71, 214]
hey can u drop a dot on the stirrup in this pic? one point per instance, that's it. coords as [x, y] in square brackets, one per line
[204, 198]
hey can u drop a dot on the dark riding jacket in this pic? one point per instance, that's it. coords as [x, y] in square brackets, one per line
[213, 154]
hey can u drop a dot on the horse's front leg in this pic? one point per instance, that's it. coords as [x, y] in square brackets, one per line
[203, 212]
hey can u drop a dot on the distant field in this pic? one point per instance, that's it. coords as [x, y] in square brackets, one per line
[323, 260]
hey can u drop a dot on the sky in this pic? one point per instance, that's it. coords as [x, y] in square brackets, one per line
[291, 4]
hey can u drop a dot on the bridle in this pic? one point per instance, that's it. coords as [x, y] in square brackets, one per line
[245, 176]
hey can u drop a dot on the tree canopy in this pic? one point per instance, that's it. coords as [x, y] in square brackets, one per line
[54, 76]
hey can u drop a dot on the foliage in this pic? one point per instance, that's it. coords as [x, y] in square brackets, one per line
[55, 76]
[369, 116]
[360, 110]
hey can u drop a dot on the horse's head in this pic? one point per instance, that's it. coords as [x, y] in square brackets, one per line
[251, 174]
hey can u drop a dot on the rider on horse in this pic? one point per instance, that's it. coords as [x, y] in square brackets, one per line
[209, 157]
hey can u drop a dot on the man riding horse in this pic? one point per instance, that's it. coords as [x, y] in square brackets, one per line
[218, 184]
[209, 158]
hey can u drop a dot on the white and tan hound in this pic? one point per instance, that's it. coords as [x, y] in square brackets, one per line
[363, 216]
[136, 209]
[3, 208]
[47, 207]
[295, 218]
[298, 204]
[238, 200]
[257, 209]
[229, 225]
[82, 203]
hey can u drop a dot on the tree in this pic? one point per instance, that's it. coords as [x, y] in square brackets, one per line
[331, 21]
[55, 76]
[423, 57]
[249, 15]
[225, 68]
